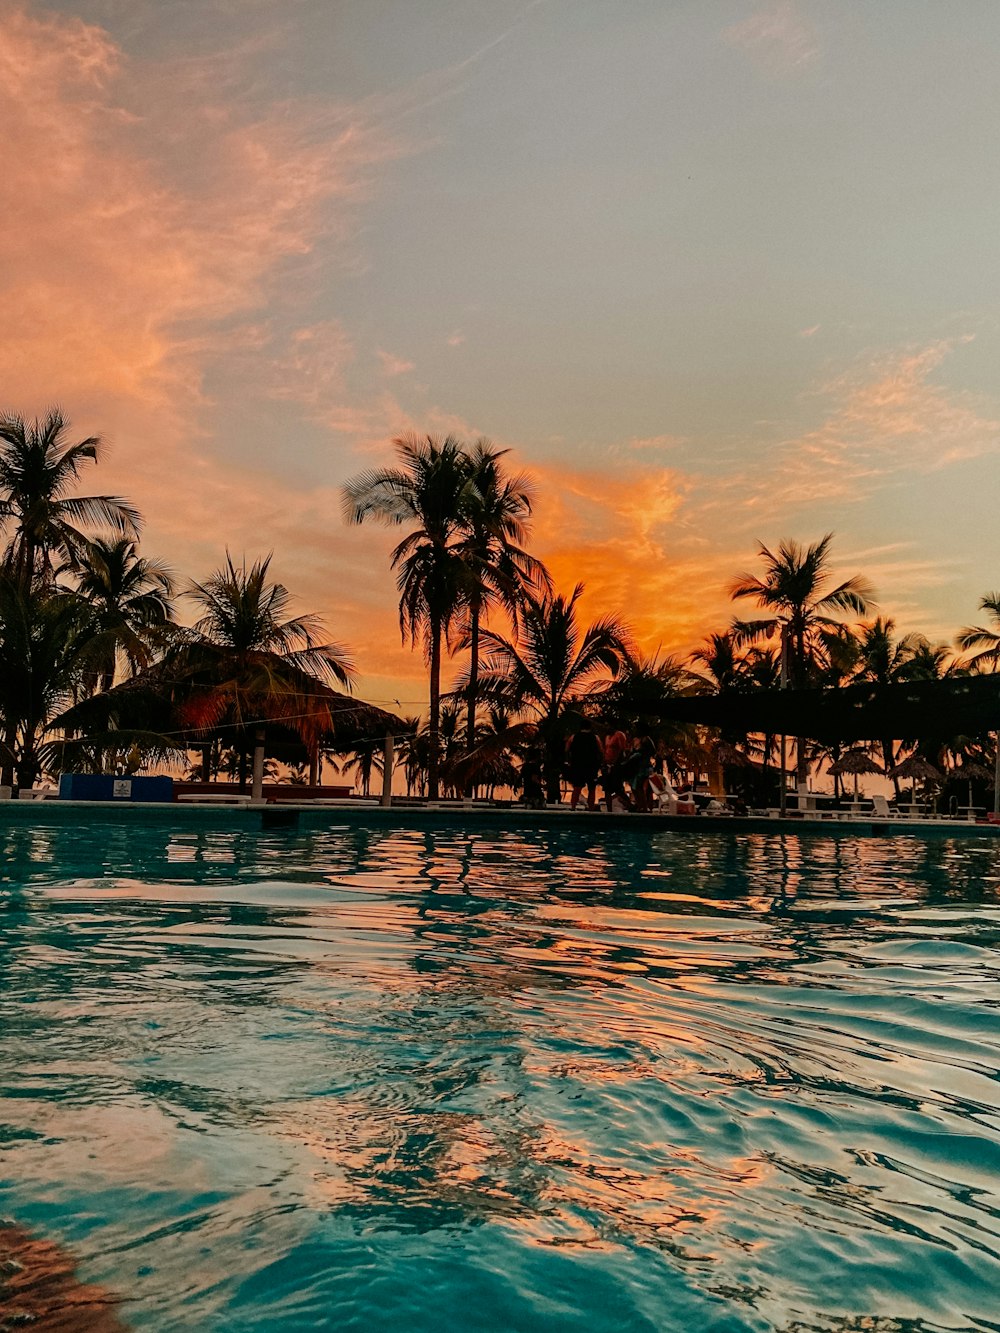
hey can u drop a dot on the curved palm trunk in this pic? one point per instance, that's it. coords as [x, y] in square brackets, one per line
[434, 726]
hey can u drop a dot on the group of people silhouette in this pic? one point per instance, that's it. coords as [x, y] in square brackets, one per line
[625, 767]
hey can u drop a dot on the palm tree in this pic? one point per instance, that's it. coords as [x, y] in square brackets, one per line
[552, 663]
[46, 651]
[131, 597]
[37, 469]
[502, 572]
[431, 491]
[885, 660]
[985, 638]
[718, 662]
[794, 587]
[365, 758]
[247, 661]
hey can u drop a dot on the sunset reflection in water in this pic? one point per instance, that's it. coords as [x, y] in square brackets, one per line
[576, 1078]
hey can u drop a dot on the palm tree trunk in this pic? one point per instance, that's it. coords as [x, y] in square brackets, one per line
[888, 761]
[7, 767]
[553, 762]
[434, 725]
[470, 731]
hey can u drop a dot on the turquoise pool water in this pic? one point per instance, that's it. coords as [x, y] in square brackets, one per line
[573, 1080]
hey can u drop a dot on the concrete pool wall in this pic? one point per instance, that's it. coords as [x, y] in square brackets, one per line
[353, 812]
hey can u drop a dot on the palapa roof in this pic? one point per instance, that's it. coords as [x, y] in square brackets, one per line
[156, 700]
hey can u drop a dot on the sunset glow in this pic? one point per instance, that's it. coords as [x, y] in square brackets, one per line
[713, 273]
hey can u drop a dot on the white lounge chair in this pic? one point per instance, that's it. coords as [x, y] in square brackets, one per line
[663, 793]
[880, 809]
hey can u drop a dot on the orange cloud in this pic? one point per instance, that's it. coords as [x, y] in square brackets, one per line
[154, 219]
[627, 538]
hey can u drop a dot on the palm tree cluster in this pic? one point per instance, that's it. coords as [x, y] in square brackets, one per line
[463, 560]
[94, 665]
[803, 641]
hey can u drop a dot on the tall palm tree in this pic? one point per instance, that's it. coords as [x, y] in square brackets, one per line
[38, 466]
[501, 570]
[551, 665]
[431, 491]
[795, 588]
[986, 638]
[131, 597]
[247, 661]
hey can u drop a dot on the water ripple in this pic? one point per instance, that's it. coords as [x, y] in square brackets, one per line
[549, 1080]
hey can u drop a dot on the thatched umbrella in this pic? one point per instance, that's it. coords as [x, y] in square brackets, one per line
[970, 770]
[916, 769]
[727, 753]
[855, 762]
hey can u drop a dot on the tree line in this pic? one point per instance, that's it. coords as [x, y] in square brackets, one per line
[95, 668]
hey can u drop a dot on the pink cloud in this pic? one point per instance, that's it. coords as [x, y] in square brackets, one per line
[778, 36]
[394, 365]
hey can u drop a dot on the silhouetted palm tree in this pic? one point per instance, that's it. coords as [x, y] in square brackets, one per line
[553, 662]
[502, 571]
[46, 651]
[365, 758]
[885, 660]
[722, 665]
[794, 588]
[431, 492]
[986, 638]
[38, 466]
[247, 662]
[131, 598]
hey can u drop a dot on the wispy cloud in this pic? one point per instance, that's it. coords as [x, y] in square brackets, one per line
[657, 443]
[777, 36]
[394, 365]
[886, 417]
[155, 222]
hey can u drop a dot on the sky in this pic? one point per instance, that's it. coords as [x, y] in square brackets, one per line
[715, 272]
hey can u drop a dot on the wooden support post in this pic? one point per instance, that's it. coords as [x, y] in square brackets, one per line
[387, 750]
[257, 791]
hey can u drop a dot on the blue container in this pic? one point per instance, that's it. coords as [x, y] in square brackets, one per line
[109, 787]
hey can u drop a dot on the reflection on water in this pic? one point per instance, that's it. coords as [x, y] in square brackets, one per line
[577, 1079]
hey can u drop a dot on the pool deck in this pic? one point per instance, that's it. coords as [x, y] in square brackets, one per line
[475, 815]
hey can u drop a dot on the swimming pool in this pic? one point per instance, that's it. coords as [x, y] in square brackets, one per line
[571, 1079]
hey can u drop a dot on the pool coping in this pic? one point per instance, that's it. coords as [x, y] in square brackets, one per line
[290, 814]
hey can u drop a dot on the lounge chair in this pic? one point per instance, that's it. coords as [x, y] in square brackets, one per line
[880, 809]
[667, 798]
